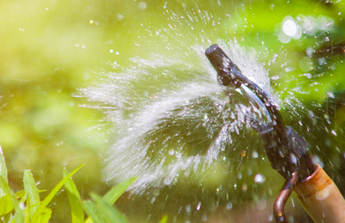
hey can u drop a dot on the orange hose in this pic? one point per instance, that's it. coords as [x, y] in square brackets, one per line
[321, 198]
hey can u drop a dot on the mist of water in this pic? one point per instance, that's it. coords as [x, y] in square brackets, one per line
[170, 120]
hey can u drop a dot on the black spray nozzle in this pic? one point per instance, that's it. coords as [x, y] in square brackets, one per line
[285, 148]
[223, 65]
[228, 73]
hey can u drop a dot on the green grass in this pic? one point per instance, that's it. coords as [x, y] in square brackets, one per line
[26, 206]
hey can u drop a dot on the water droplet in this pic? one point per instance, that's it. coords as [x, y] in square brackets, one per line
[275, 77]
[239, 176]
[293, 158]
[153, 200]
[259, 178]
[204, 218]
[261, 204]
[311, 114]
[317, 160]
[178, 155]
[333, 132]
[283, 38]
[187, 208]
[156, 192]
[119, 17]
[171, 152]
[289, 26]
[198, 206]
[322, 61]
[142, 5]
[179, 210]
[330, 94]
[255, 154]
[167, 181]
[305, 64]
[229, 206]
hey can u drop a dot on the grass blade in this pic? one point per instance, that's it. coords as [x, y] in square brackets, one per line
[164, 219]
[46, 215]
[50, 196]
[93, 213]
[118, 190]
[27, 212]
[21, 194]
[31, 191]
[19, 216]
[77, 211]
[3, 171]
[110, 213]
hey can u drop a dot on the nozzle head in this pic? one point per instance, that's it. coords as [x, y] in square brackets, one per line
[223, 65]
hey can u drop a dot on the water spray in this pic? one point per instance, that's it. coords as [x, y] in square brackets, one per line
[287, 151]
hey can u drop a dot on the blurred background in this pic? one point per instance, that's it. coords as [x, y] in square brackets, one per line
[61, 58]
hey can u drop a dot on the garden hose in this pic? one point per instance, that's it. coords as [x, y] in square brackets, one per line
[321, 198]
[286, 150]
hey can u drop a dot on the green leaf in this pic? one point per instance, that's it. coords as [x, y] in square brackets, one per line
[164, 219]
[37, 216]
[19, 216]
[110, 213]
[118, 190]
[21, 194]
[5, 204]
[3, 170]
[77, 211]
[31, 191]
[27, 211]
[93, 213]
[45, 216]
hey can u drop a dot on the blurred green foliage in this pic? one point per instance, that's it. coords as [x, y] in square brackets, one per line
[50, 49]
[31, 209]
